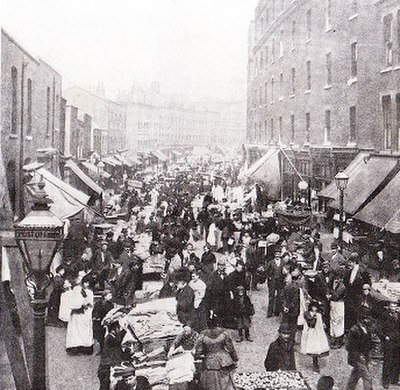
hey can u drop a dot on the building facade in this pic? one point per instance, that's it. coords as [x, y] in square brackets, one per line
[322, 84]
[30, 114]
[154, 121]
[106, 114]
[78, 133]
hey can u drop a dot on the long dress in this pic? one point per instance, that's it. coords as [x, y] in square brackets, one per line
[80, 328]
[313, 339]
[219, 359]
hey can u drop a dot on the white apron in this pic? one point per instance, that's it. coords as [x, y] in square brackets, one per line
[65, 306]
[80, 328]
[337, 319]
[314, 340]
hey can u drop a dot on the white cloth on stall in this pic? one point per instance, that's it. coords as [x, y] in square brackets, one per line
[181, 368]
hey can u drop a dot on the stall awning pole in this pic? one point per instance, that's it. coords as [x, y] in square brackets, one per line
[291, 163]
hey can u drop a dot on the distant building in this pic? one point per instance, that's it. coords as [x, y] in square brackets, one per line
[78, 133]
[107, 114]
[30, 115]
[100, 141]
[323, 84]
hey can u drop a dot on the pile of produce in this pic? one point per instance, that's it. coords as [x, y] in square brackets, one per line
[277, 380]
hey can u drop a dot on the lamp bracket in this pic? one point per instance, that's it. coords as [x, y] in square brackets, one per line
[37, 282]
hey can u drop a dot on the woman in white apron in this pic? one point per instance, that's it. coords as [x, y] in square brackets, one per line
[79, 338]
[314, 341]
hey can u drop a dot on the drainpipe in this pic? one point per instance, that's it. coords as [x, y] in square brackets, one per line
[21, 147]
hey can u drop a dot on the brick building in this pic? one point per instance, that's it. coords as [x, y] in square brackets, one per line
[154, 121]
[322, 81]
[78, 133]
[107, 115]
[30, 114]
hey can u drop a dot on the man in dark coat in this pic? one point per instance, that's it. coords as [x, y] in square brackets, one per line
[102, 264]
[280, 354]
[208, 260]
[320, 291]
[275, 284]
[252, 262]
[217, 297]
[291, 303]
[354, 281]
[100, 310]
[112, 354]
[389, 332]
[237, 278]
[185, 310]
[126, 283]
[359, 346]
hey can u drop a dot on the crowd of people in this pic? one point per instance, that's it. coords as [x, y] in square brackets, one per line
[328, 297]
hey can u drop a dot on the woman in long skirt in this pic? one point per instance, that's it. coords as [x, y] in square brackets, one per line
[219, 357]
[314, 341]
[80, 330]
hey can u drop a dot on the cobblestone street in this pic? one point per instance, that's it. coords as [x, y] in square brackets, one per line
[79, 372]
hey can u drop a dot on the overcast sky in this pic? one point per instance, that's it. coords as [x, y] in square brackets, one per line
[196, 48]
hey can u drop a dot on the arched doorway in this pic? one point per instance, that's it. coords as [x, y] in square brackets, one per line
[11, 179]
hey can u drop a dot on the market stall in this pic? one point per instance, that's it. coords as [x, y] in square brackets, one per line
[386, 290]
[152, 326]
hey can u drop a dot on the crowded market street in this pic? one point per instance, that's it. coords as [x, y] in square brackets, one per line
[200, 195]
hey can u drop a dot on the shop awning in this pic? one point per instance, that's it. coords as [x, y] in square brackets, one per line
[330, 191]
[67, 200]
[32, 166]
[363, 181]
[83, 177]
[124, 160]
[92, 169]
[159, 155]
[135, 160]
[266, 170]
[384, 210]
[110, 160]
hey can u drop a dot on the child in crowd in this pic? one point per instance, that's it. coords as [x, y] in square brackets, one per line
[100, 310]
[244, 310]
[314, 341]
[65, 302]
[325, 383]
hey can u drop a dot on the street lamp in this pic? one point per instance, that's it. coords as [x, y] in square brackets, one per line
[38, 237]
[341, 180]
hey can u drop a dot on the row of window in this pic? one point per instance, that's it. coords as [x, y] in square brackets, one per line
[267, 90]
[265, 131]
[391, 30]
[50, 111]
[269, 16]
[391, 123]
